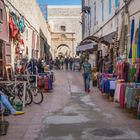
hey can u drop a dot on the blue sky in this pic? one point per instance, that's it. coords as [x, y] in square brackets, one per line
[62, 2]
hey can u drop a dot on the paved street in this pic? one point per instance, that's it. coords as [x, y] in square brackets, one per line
[89, 117]
[68, 113]
[27, 126]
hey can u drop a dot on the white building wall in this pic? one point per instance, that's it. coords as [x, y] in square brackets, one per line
[112, 20]
[31, 11]
[134, 7]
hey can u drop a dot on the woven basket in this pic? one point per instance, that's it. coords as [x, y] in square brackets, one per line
[3, 127]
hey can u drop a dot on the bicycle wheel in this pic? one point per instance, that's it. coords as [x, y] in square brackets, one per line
[28, 96]
[37, 95]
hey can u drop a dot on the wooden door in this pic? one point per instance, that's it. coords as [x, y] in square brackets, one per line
[1, 60]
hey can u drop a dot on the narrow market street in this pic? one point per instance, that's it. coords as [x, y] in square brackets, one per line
[69, 70]
[68, 113]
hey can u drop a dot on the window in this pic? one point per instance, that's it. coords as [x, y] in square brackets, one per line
[109, 6]
[116, 3]
[95, 13]
[63, 28]
[102, 2]
[1, 15]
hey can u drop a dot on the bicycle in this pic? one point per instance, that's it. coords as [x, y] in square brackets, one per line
[14, 91]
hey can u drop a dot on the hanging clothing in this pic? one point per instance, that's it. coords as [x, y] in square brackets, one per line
[126, 69]
[21, 24]
[13, 28]
[132, 72]
[117, 92]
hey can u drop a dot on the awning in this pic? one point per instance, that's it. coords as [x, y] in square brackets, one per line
[108, 38]
[95, 39]
[91, 46]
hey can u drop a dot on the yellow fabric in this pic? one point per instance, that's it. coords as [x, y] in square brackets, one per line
[45, 69]
[119, 81]
[133, 53]
[93, 73]
[19, 113]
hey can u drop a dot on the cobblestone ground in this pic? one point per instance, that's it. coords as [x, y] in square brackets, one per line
[68, 113]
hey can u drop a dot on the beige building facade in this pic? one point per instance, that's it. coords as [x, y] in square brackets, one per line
[110, 21]
[66, 30]
[107, 16]
[36, 36]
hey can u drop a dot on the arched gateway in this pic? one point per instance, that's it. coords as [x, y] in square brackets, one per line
[62, 44]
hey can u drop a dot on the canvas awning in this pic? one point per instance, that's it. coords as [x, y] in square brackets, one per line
[95, 39]
[108, 38]
[86, 47]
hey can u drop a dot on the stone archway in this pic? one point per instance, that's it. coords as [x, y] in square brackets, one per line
[64, 43]
[63, 50]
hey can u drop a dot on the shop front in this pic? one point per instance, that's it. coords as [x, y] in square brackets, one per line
[88, 51]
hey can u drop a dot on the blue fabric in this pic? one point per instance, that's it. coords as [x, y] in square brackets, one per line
[103, 85]
[0, 103]
[6, 103]
[50, 86]
[131, 37]
[107, 87]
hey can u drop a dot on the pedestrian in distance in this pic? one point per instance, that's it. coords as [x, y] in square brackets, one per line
[66, 63]
[86, 68]
[57, 63]
[62, 63]
[71, 63]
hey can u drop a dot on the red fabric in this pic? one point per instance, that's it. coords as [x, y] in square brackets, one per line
[108, 75]
[119, 70]
[13, 29]
[122, 97]
[21, 42]
[46, 83]
[39, 82]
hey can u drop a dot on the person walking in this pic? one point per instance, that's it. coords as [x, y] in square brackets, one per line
[66, 62]
[62, 63]
[86, 74]
[57, 63]
[71, 63]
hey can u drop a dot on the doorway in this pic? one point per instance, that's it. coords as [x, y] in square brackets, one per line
[1, 60]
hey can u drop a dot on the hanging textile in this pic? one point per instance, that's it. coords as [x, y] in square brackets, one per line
[131, 37]
[21, 24]
[138, 45]
[133, 53]
[13, 28]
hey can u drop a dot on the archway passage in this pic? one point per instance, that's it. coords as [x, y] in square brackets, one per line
[61, 45]
[63, 50]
